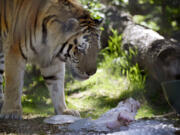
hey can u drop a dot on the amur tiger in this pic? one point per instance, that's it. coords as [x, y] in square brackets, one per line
[46, 33]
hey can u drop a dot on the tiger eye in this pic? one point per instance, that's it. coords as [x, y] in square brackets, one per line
[86, 37]
[75, 41]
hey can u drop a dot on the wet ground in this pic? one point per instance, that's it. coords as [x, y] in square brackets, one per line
[140, 127]
[26, 126]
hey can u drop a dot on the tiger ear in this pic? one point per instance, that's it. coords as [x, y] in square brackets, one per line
[71, 25]
[99, 21]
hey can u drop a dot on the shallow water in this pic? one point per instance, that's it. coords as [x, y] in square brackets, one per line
[148, 127]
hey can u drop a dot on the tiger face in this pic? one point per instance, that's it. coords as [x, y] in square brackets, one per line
[82, 59]
[81, 51]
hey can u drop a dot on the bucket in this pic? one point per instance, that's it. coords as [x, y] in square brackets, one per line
[171, 91]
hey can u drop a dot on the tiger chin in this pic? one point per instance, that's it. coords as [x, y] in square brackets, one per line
[48, 34]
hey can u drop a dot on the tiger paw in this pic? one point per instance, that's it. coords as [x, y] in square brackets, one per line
[71, 112]
[10, 116]
[1, 104]
[1, 101]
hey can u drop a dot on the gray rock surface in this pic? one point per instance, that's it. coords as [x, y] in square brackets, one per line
[123, 114]
[117, 121]
[61, 119]
[87, 125]
[139, 127]
[148, 127]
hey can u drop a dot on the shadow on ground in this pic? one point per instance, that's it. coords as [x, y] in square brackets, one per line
[27, 126]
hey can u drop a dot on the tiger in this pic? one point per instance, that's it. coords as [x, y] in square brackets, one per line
[47, 34]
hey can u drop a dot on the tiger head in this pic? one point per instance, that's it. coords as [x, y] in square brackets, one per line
[81, 40]
[81, 50]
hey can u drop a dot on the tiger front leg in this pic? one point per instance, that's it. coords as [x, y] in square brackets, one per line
[54, 78]
[1, 79]
[1, 98]
[1, 75]
[14, 73]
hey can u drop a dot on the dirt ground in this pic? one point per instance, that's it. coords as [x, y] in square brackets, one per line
[27, 126]
[31, 125]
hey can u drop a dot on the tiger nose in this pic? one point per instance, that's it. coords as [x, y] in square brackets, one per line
[91, 72]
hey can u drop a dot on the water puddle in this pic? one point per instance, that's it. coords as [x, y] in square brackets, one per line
[148, 127]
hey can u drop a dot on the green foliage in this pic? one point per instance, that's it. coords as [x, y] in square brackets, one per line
[121, 60]
[160, 15]
[165, 14]
[134, 74]
[114, 46]
[95, 8]
[122, 3]
[146, 21]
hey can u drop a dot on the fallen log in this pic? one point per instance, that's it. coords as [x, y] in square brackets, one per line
[158, 55]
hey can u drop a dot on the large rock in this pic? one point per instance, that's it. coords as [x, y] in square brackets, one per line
[117, 121]
[61, 119]
[148, 127]
[122, 115]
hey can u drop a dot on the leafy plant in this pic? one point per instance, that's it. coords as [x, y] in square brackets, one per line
[121, 60]
[95, 8]
[114, 46]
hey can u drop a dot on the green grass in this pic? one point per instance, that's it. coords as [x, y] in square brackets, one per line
[104, 91]
[95, 96]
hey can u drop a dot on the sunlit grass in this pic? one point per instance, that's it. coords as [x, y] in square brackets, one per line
[103, 92]
[42, 111]
[96, 95]
[93, 97]
[100, 93]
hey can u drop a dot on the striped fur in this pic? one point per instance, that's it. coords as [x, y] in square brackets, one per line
[1, 74]
[46, 33]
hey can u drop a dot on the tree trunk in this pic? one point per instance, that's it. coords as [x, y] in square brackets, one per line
[159, 56]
